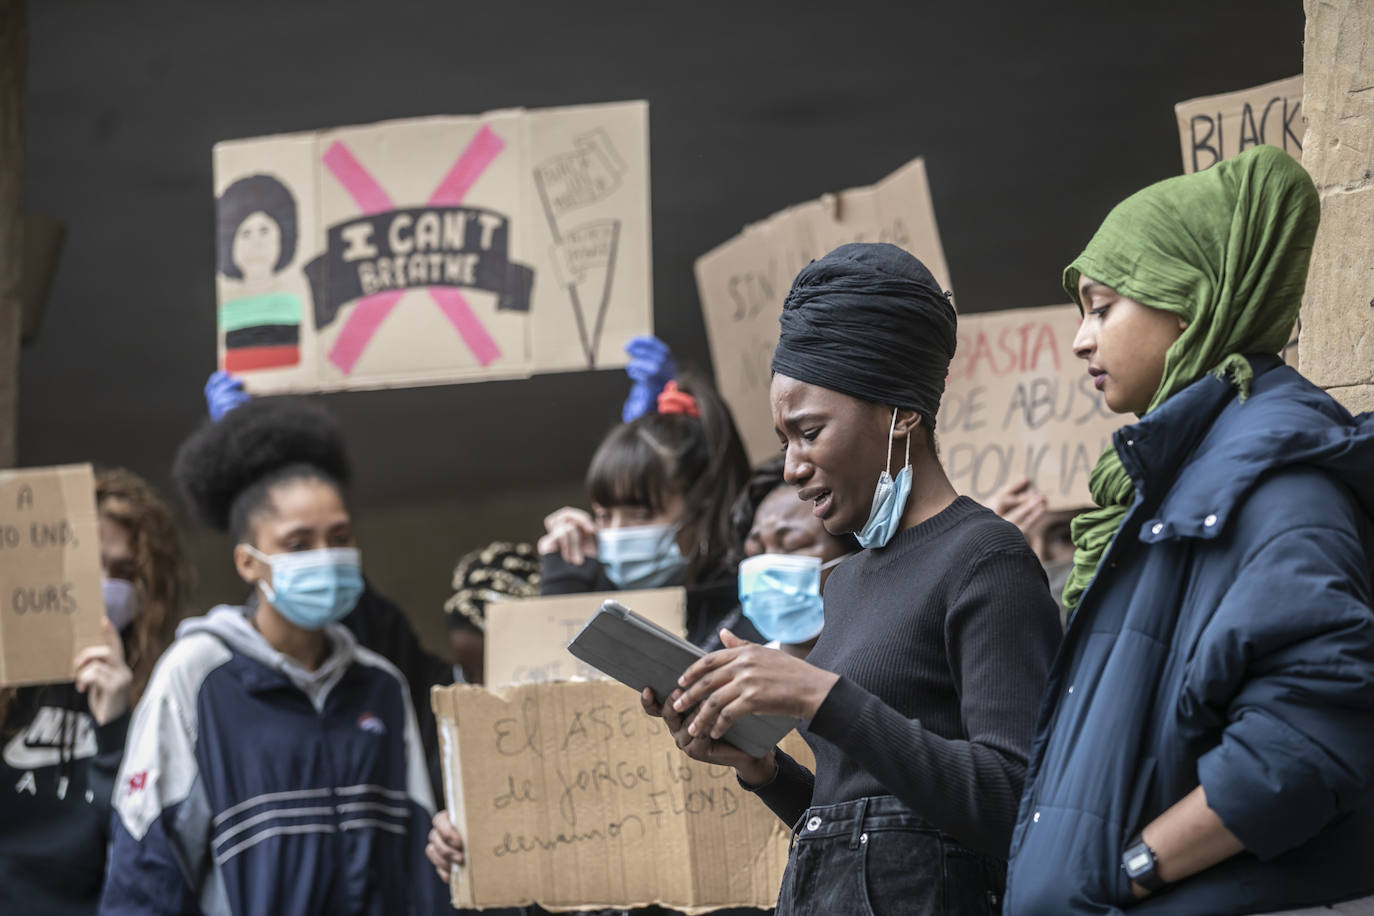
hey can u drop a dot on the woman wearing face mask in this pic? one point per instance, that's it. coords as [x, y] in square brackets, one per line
[148, 577]
[661, 489]
[273, 764]
[62, 742]
[661, 485]
[1206, 738]
[920, 695]
[375, 621]
[786, 557]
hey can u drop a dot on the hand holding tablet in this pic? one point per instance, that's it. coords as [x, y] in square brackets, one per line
[640, 654]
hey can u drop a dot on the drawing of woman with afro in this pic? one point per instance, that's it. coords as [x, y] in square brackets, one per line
[256, 241]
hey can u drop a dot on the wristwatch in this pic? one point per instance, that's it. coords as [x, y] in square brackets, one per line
[1138, 861]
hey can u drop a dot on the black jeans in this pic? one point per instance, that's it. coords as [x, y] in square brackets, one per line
[876, 857]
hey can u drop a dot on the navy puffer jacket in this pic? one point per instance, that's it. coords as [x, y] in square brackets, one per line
[1227, 640]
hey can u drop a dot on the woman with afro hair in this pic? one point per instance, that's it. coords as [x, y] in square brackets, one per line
[274, 765]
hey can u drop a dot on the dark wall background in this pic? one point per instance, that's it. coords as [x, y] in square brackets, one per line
[1034, 119]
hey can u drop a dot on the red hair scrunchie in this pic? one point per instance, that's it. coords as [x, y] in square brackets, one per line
[674, 400]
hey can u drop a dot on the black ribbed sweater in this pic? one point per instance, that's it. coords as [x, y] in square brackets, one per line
[943, 641]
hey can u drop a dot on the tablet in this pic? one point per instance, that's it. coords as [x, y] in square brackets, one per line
[639, 654]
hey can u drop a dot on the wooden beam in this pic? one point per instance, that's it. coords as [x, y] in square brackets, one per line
[14, 40]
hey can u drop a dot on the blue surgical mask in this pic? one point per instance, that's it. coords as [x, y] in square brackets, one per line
[645, 556]
[122, 602]
[313, 588]
[889, 499]
[781, 595]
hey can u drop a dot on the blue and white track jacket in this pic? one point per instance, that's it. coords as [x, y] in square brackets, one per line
[253, 786]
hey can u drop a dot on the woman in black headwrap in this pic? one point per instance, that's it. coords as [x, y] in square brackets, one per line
[922, 691]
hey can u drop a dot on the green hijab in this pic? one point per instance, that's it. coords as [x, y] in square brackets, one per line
[1226, 250]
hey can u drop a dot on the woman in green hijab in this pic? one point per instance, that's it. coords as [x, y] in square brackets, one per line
[1205, 747]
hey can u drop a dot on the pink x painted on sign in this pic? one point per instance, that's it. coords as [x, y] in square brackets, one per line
[372, 310]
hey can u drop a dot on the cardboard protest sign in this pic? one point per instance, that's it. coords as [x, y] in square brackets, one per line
[50, 578]
[434, 250]
[569, 796]
[1018, 403]
[1217, 127]
[527, 640]
[743, 282]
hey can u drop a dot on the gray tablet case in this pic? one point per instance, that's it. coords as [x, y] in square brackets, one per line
[639, 654]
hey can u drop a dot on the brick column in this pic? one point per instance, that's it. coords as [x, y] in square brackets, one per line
[1336, 349]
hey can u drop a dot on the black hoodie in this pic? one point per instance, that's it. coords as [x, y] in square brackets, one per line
[57, 772]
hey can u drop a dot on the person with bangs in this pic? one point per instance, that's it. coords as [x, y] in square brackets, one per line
[661, 488]
[662, 485]
[1205, 745]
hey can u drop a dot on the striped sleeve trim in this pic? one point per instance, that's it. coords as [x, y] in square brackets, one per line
[263, 817]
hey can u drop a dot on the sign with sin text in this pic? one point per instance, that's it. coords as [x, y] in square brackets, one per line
[434, 250]
[743, 282]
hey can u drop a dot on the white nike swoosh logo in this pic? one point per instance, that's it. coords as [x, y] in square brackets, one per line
[29, 750]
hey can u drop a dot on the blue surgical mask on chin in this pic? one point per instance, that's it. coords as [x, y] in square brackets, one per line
[645, 556]
[889, 499]
[313, 588]
[781, 595]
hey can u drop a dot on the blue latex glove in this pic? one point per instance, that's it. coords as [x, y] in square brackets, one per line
[651, 367]
[223, 393]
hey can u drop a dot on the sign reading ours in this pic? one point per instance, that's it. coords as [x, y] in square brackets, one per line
[51, 601]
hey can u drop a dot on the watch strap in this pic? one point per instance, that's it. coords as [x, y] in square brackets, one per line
[1139, 863]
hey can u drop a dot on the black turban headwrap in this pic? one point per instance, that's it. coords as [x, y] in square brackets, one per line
[869, 320]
